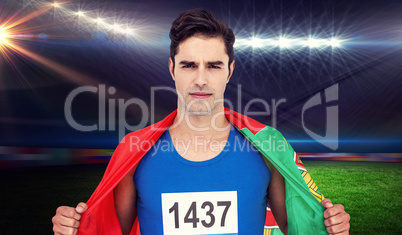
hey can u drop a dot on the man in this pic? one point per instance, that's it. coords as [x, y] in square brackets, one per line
[196, 178]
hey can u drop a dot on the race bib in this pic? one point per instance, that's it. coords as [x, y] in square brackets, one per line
[199, 213]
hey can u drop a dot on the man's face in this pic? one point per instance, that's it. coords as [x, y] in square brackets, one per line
[201, 73]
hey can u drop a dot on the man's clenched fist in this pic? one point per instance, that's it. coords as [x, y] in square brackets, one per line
[67, 219]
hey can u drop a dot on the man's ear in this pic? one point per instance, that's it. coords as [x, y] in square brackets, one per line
[171, 68]
[231, 68]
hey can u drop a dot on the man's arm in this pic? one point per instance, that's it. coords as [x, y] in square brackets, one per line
[336, 219]
[125, 199]
[276, 199]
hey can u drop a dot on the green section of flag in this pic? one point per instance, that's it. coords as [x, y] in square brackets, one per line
[275, 231]
[304, 212]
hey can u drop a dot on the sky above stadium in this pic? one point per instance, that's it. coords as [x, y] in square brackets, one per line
[286, 52]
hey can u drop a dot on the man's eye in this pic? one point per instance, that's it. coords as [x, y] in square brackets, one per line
[188, 66]
[214, 67]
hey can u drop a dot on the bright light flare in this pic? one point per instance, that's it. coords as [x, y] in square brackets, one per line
[3, 36]
[121, 30]
[312, 42]
[335, 42]
[98, 20]
[56, 5]
[116, 28]
[283, 42]
[101, 22]
[79, 13]
[128, 31]
[256, 42]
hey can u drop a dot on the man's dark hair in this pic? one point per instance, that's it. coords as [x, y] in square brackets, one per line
[200, 22]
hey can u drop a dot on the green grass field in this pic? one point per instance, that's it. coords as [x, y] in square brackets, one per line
[370, 192]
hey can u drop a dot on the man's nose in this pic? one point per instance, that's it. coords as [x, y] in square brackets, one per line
[201, 77]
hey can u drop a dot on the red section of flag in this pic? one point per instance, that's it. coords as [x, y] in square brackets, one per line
[298, 161]
[241, 121]
[270, 220]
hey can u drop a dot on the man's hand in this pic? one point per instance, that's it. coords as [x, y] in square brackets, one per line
[336, 219]
[67, 219]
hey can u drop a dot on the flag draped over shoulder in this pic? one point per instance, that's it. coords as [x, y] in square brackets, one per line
[304, 210]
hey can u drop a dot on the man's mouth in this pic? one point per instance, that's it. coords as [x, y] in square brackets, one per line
[200, 95]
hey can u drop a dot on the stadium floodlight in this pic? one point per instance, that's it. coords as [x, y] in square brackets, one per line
[256, 42]
[241, 42]
[55, 4]
[283, 42]
[312, 42]
[99, 20]
[117, 28]
[80, 13]
[334, 42]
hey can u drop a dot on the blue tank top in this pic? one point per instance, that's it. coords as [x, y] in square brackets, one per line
[224, 195]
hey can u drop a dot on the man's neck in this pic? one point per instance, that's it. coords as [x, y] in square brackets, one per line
[188, 125]
[199, 138]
